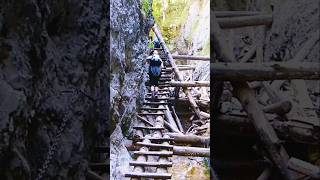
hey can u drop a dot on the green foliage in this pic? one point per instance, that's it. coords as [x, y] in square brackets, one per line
[176, 16]
[146, 7]
[206, 50]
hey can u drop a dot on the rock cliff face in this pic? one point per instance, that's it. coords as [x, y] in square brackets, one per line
[53, 80]
[130, 27]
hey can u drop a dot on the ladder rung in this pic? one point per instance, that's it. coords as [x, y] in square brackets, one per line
[162, 93]
[159, 98]
[148, 128]
[152, 164]
[153, 109]
[158, 139]
[154, 153]
[153, 145]
[151, 114]
[155, 103]
[149, 175]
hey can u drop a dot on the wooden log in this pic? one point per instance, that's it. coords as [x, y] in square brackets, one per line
[264, 71]
[148, 128]
[280, 108]
[202, 103]
[152, 164]
[144, 120]
[177, 120]
[169, 126]
[286, 130]
[170, 119]
[249, 54]
[154, 153]
[152, 109]
[205, 115]
[189, 84]
[186, 57]
[247, 97]
[220, 14]
[245, 21]
[191, 151]
[176, 70]
[149, 175]
[189, 139]
[304, 167]
[158, 139]
[151, 114]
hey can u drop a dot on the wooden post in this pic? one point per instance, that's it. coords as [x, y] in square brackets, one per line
[176, 70]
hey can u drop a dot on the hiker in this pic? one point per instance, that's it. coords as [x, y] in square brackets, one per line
[156, 43]
[155, 65]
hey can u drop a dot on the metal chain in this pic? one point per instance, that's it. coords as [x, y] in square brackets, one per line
[51, 150]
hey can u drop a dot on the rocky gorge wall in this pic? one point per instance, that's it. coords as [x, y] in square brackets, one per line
[130, 26]
[53, 80]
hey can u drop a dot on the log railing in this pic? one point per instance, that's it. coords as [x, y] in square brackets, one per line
[176, 70]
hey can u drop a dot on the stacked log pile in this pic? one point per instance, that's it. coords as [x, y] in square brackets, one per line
[258, 107]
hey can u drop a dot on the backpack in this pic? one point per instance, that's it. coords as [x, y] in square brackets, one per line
[155, 65]
[156, 43]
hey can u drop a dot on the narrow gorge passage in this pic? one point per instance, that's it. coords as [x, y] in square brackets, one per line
[159, 134]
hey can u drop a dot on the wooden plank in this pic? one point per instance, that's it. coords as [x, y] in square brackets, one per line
[152, 164]
[152, 109]
[148, 128]
[149, 175]
[155, 103]
[154, 153]
[264, 71]
[151, 114]
[154, 145]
